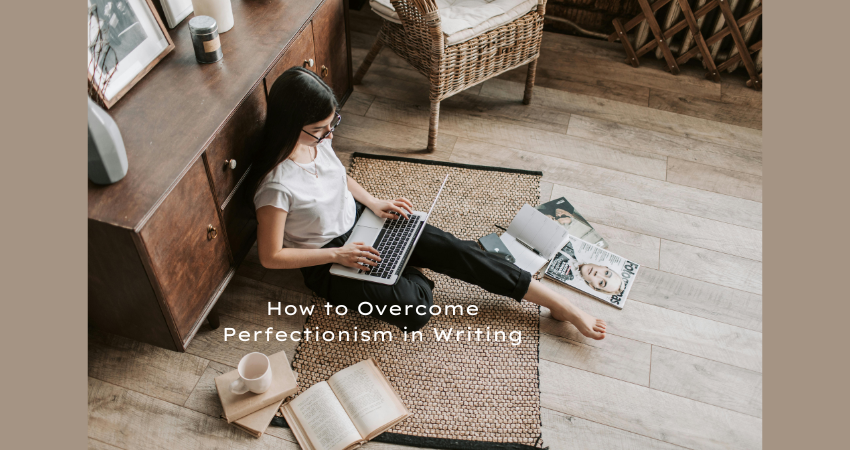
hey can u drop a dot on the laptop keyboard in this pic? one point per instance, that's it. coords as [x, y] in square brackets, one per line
[391, 243]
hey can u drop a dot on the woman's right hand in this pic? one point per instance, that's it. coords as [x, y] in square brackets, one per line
[356, 255]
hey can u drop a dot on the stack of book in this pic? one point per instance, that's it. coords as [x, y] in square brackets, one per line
[252, 412]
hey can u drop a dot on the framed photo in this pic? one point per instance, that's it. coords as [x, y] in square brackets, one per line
[126, 39]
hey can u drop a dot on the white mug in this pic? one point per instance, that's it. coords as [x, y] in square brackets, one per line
[255, 374]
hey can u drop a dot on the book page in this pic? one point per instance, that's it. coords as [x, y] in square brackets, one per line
[537, 230]
[367, 398]
[324, 420]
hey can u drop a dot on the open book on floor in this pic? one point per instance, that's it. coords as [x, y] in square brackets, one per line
[597, 272]
[352, 407]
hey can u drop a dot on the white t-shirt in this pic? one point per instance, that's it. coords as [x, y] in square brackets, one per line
[319, 209]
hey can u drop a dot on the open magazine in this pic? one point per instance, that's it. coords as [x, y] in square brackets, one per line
[588, 268]
[561, 211]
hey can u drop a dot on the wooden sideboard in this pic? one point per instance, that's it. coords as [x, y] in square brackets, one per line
[164, 241]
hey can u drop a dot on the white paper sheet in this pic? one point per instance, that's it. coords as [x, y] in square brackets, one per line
[534, 228]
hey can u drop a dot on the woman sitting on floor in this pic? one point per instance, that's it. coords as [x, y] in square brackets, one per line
[306, 207]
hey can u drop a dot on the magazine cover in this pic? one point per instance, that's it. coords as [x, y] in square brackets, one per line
[564, 213]
[594, 271]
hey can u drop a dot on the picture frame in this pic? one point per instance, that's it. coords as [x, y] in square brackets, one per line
[132, 40]
[175, 11]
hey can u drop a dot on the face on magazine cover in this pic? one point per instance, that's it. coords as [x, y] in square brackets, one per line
[563, 216]
[602, 279]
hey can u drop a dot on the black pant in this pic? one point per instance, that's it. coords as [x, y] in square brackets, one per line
[436, 250]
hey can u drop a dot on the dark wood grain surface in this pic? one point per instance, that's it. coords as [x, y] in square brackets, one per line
[188, 262]
[330, 40]
[238, 140]
[117, 259]
[169, 116]
[299, 51]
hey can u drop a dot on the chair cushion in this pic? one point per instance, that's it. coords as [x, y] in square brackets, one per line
[464, 19]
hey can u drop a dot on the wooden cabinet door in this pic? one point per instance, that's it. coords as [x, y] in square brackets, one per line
[186, 248]
[299, 53]
[329, 39]
[231, 152]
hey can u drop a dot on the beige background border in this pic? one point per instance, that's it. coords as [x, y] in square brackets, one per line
[44, 225]
[806, 162]
[806, 172]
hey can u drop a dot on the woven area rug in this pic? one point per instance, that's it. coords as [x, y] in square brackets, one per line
[466, 394]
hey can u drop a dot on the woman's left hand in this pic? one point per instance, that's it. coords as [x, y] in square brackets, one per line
[385, 208]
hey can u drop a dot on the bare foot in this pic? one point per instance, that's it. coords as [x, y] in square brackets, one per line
[585, 323]
[562, 309]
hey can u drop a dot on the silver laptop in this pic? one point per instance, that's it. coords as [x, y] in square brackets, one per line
[394, 239]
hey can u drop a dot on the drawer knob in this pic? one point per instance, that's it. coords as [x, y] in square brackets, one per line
[308, 62]
[212, 233]
[230, 163]
[324, 71]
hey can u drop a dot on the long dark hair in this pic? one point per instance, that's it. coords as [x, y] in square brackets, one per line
[297, 98]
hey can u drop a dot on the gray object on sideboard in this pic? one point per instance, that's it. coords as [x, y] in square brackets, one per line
[107, 157]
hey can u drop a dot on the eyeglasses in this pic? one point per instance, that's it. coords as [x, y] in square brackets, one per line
[338, 119]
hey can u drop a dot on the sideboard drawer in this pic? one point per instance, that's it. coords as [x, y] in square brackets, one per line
[188, 253]
[230, 153]
[300, 53]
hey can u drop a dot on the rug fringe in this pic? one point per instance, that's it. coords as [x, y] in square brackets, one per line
[436, 443]
[450, 444]
[445, 163]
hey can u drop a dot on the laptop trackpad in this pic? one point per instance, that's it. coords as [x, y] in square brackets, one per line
[364, 234]
[369, 219]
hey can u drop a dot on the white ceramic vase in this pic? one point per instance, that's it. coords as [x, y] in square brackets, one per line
[220, 10]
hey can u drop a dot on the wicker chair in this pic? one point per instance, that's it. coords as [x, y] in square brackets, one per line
[450, 69]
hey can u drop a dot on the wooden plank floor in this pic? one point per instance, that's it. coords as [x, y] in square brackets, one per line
[669, 168]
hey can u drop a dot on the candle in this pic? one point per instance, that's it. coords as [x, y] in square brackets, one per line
[220, 10]
[204, 32]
